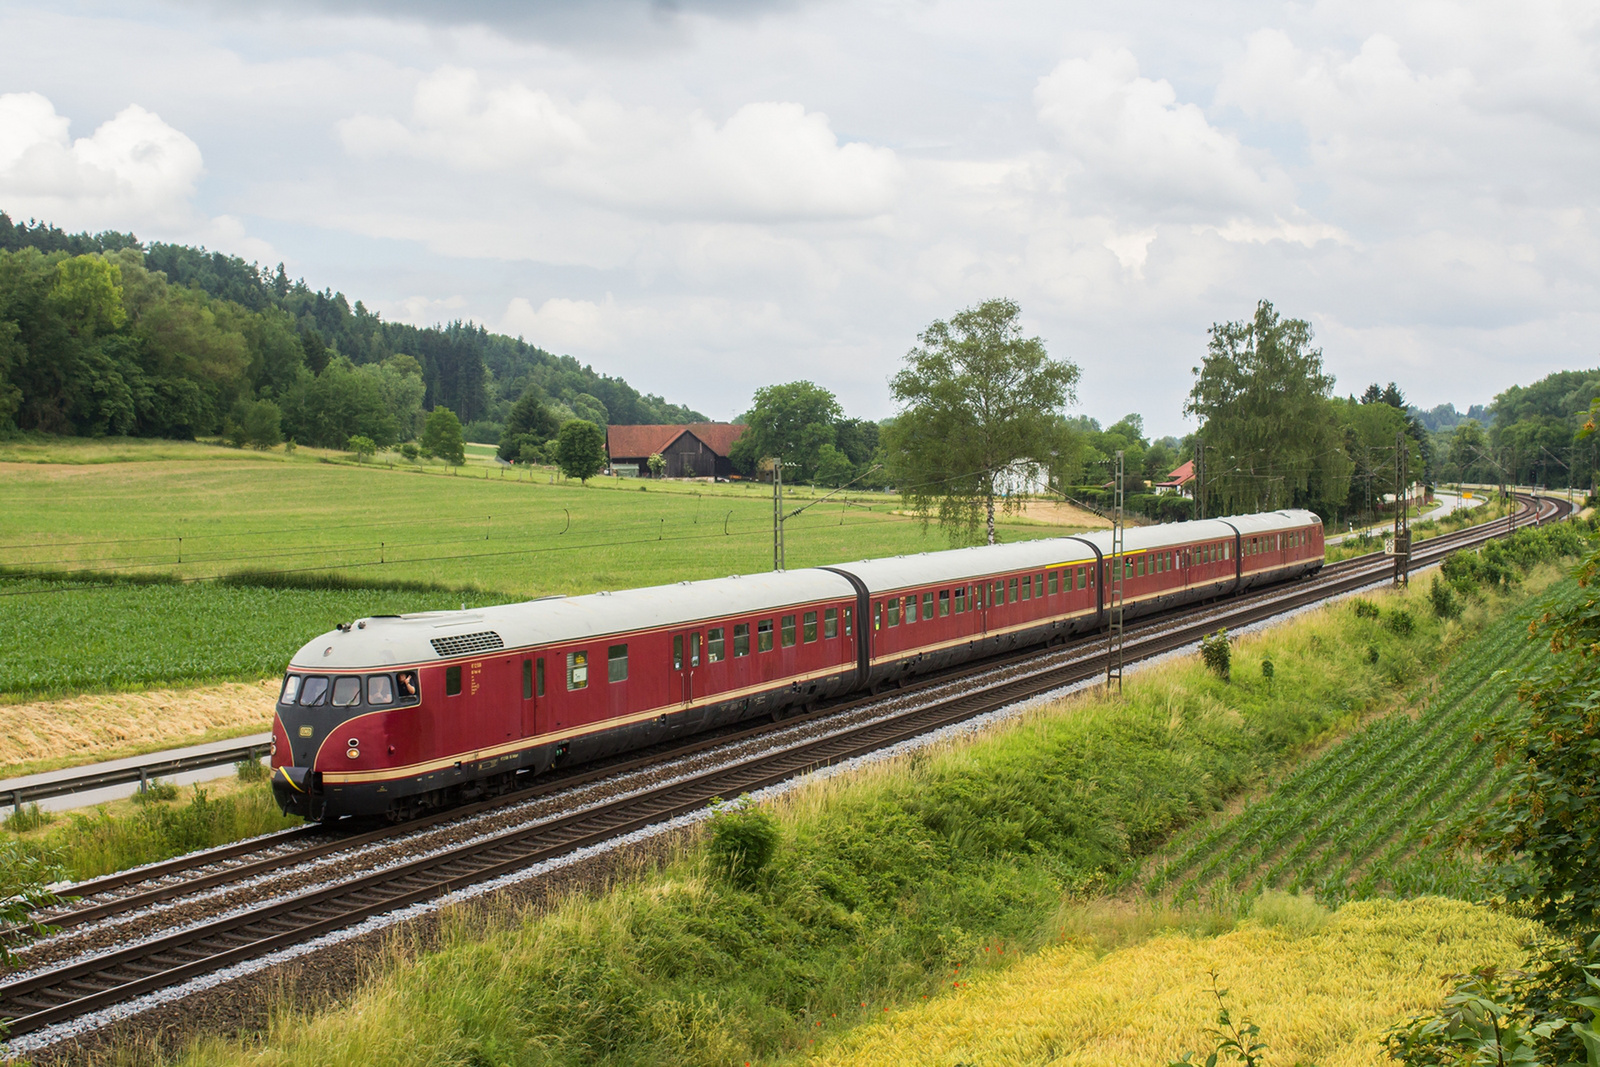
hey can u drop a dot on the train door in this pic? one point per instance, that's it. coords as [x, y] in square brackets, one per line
[532, 695]
[980, 604]
[686, 652]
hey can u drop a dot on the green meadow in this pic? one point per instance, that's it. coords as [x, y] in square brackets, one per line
[247, 555]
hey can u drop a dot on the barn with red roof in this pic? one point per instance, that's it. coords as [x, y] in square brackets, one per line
[695, 450]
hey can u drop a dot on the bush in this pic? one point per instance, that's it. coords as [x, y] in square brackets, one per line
[1443, 599]
[1295, 914]
[1399, 621]
[1217, 654]
[1267, 671]
[743, 839]
[1365, 609]
[156, 791]
[250, 769]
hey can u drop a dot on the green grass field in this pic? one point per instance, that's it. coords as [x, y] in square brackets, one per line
[200, 511]
[162, 510]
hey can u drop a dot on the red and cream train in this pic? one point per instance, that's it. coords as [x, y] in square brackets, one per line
[395, 715]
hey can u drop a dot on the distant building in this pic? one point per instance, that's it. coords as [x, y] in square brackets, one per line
[1179, 481]
[698, 450]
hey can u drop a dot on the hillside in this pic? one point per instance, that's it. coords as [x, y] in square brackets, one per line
[102, 333]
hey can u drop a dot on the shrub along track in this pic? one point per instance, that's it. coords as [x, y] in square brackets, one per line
[60, 993]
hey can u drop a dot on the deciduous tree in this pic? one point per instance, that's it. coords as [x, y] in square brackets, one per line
[441, 436]
[791, 422]
[581, 449]
[977, 401]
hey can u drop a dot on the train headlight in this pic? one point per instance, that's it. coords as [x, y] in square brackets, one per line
[353, 753]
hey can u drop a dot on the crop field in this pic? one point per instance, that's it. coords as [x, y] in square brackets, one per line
[68, 637]
[1379, 811]
[200, 511]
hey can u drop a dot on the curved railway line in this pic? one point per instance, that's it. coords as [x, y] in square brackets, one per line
[55, 993]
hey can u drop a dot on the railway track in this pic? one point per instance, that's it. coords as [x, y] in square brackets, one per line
[60, 993]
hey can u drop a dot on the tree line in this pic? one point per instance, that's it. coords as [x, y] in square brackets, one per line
[102, 334]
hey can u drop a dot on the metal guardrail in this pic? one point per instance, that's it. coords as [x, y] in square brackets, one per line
[143, 773]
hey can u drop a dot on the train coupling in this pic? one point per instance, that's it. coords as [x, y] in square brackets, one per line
[292, 789]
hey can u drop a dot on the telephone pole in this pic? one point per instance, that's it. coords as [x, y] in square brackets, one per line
[1402, 511]
[1114, 589]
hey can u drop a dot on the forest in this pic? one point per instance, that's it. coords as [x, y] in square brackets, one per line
[102, 334]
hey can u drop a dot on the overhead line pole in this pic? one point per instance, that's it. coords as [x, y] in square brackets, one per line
[1118, 565]
[1402, 510]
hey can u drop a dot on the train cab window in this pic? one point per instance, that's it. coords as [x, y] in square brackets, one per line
[944, 603]
[380, 689]
[961, 599]
[346, 692]
[1027, 587]
[849, 621]
[527, 679]
[617, 663]
[891, 612]
[313, 691]
[911, 608]
[452, 681]
[741, 639]
[577, 671]
[291, 688]
[764, 635]
[808, 627]
[830, 622]
[788, 631]
[714, 645]
[927, 605]
[677, 652]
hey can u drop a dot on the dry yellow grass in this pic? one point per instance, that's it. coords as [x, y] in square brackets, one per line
[46, 734]
[1322, 998]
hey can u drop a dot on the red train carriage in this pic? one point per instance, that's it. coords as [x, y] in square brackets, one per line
[397, 714]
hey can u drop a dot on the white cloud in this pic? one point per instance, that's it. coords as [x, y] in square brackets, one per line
[768, 160]
[1127, 139]
[135, 169]
[559, 324]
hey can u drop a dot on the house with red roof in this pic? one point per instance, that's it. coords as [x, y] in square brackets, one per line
[696, 450]
[1179, 481]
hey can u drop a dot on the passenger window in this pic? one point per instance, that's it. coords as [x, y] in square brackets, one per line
[538, 677]
[1082, 578]
[291, 688]
[617, 663]
[714, 645]
[1055, 582]
[830, 622]
[677, 652]
[1141, 566]
[1038, 586]
[911, 608]
[380, 689]
[741, 639]
[452, 681]
[808, 623]
[764, 635]
[346, 692]
[1027, 587]
[577, 670]
[527, 679]
[1011, 591]
[961, 599]
[891, 612]
[944, 603]
[927, 605]
[788, 631]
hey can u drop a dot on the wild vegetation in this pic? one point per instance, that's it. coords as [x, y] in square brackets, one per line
[876, 891]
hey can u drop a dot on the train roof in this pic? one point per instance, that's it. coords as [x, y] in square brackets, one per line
[388, 640]
[392, 640]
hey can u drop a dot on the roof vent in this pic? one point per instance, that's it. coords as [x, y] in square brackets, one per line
[461, 644]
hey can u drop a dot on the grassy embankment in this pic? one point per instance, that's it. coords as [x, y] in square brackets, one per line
[1422, 529]
[887, 886]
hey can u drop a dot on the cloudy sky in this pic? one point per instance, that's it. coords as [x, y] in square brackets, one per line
[709, 196]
